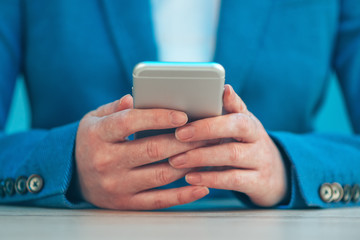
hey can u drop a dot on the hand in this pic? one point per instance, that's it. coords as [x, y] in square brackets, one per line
[253, 164]
[119, 174]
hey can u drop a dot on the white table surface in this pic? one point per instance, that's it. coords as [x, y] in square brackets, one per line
[40, 223]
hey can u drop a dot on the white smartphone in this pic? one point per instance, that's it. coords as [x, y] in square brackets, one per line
[194, 88]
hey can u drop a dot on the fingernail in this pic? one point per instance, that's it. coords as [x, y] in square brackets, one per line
[201, 192]
[178, 118]
[177, 161]
[185, 133]
[193, 178]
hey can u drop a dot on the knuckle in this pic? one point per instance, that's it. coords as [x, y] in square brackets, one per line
[159, 203]
[243, 124]
[215, 180]
[110, 121]
[126, 117]
[104, 127]
[152, 149]
[235, 154]
[236, 179]
[101, 163]
[109, 185]
[180, 198]
[162, 176]
[207, 127]
[121, 122]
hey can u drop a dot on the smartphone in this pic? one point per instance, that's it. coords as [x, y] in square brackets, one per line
[194, 88]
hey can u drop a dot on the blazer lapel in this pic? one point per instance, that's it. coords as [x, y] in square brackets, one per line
[241, 27]
[130, 27]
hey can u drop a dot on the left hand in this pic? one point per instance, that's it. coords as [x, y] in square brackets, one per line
[253, 164]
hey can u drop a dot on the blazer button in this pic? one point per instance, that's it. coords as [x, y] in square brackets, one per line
[347, 194]
[2, 192]
[326, 192]
[338, 192]
[9, 186]
[20, 185]
[355, 193]
[34, 183]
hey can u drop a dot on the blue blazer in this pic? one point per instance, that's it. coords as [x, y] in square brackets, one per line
[76, 55]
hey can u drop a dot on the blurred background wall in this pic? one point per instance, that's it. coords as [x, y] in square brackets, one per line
[332, 117]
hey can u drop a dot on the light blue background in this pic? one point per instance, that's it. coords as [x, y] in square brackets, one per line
[332, 117]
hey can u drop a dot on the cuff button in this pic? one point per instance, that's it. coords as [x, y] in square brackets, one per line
[355, 193]
[338, 192]
[347, 194]
[2, 192]
[20, 185]
[326, 192]
[34, 183]
[9, 186]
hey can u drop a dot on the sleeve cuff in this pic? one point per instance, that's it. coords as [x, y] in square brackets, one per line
[52, 158]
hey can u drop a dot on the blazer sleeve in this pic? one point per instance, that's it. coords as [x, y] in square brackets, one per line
[320, 162]
[36, 166]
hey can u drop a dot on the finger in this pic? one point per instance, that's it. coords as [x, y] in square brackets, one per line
[240, 126]
[155, 175]
[232, 102]
[230, 154]
[126, 102]
[234, 179]
[157, 199]
[148, 150]
[119, 125]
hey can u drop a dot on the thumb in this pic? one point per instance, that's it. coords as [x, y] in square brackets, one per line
[232, 103]
[126, 102]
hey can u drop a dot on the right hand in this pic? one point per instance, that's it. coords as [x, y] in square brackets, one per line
[115, 173]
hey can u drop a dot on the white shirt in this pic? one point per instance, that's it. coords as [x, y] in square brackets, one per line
[185, 30]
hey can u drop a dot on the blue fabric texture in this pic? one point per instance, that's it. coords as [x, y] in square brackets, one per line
[278, 56]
